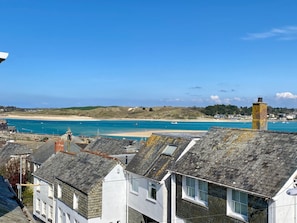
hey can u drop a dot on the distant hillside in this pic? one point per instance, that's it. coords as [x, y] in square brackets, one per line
[121, 112]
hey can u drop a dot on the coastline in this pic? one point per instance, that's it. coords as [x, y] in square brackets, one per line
[147, 134]
[86, 118]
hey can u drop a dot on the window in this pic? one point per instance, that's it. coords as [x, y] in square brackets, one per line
[195, 191]
[50, 191]
[169, 150]
[134, 184]
[59, 191]
[152, 192]
[43, 209]
[37, 185]
[38, 205]
[50, 213]
[75, 201]
[237, 204]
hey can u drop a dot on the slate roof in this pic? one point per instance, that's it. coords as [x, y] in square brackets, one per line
[150, 162]
[54, 166]
[12, 149]
[258, 162]
[10, 208]
[86, 169]
[47, 149]
[112, 146]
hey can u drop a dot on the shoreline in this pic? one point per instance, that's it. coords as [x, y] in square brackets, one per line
[86, 118]
[147, 134]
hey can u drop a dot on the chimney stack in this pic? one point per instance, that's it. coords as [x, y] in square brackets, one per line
[59, 146]
[259, 113]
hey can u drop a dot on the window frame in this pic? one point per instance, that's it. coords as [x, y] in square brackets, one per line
[193, 189]
[59, 192]
[75, 201]
[134, 184]
[152, 191]
[50, 191]
[232, 202]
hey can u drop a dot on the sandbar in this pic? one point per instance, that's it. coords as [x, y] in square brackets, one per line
[149, 133]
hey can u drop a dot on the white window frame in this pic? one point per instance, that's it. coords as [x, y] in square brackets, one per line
[59, 191]
[75, 201]
[43, 208]
[37, 185]
[50, 212]
[195, 191]
[152, 191]
[231, 205]
[134, 184]
[38, 205]
[50, 191]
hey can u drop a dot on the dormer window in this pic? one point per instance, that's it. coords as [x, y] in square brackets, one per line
[169, 150]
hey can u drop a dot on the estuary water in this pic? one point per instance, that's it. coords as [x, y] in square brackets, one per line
[105, 127]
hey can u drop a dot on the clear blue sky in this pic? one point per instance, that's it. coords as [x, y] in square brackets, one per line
[148, 52]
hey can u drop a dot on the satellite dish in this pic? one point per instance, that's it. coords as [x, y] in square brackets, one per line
[292, 192]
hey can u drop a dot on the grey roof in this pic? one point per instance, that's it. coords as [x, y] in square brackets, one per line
[113, 146]
[53, 166]
[150, 162]
[10, 209]
[258, 162]
[46, 150]
[86, 170]
[12, 149]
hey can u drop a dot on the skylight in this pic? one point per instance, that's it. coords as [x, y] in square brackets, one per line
[169, 150]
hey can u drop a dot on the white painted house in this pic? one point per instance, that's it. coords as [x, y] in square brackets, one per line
[149, 182]
[44, 202]
[237, 175]
[92, 188]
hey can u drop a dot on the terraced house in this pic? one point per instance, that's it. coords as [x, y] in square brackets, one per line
[149, 182]
[92, 188]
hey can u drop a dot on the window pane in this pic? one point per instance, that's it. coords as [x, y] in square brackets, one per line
[243, 198]
[244, 209]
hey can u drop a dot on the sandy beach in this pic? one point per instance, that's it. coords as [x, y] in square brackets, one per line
[149, 133]
[121, 134]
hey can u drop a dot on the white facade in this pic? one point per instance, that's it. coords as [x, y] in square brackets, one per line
[43, 200]
[114, 199]
[114, 202]
[283, 207]
[140, 200]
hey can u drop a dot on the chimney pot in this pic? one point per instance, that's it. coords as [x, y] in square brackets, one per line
[260, 99]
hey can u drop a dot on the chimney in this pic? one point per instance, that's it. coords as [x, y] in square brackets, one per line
[259, 113]
[59, 146]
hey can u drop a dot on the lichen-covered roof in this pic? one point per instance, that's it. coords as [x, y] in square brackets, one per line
[259, 162]
[150, 162]
[12, 149]
[10, 210]
[86, 170]
[54, 166]
[112, 146]
[47, 149]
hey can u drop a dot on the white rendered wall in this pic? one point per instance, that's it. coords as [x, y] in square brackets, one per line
[283, 207]
[43, 196]
[65, 210]
[155, 209]
[114, 199]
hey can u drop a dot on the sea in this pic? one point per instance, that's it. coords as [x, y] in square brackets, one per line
[106, 127]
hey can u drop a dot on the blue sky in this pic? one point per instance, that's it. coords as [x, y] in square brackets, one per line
[66, 53]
